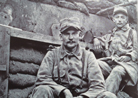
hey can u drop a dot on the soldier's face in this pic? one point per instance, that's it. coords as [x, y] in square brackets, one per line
[120, 20]
[70, 38]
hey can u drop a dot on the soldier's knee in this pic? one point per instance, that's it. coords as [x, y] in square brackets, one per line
[44, 89]
[119, 70]
[40, 91]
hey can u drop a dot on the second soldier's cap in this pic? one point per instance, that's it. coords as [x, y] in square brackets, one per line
[120, 9]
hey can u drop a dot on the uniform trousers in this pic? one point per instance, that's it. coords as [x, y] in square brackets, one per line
[114, 76]
[44, 91]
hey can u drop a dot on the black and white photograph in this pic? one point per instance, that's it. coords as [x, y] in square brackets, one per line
[68, 49]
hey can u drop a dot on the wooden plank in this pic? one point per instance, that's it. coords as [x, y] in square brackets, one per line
[15, 32]
[4, 62]
[36, 37]
[2, 67]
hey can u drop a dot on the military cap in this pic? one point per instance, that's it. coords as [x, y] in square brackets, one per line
[120, 9]
[70, 22]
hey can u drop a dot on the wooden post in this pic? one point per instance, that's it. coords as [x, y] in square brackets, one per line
[4, 62]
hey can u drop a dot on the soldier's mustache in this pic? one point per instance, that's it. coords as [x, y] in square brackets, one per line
[70, 42]
[119, 23]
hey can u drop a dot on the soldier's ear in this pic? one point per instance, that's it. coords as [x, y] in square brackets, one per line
[81, 34]
[61, 37]
[127, 19]
[112, 18]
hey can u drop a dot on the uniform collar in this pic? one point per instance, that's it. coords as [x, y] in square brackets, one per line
[77, 53]
[125, 28]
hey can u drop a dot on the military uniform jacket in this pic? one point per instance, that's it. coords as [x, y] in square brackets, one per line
[77, 71]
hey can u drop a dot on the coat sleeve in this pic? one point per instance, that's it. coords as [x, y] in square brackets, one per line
[95, 77]
[134, 52]
[44, 75]
[105, 40]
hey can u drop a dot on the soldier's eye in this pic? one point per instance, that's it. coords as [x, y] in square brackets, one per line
[74, 33]
[5, 17]
[66, 34]
[122, 17]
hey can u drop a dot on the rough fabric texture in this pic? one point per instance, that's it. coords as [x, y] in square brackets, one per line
[27, 55]
[20, 93]
[25, 68]
[21, 80]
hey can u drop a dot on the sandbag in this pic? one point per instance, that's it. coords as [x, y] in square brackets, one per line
[82, 8]
[117, 1]
[99, 4]
[27, 55]
[21, 80]
[74, 6]
[26, 68]
[20, 93]
[67, 4]
[44, 1]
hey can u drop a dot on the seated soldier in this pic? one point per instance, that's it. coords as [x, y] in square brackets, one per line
[70, 71]
[121, 47]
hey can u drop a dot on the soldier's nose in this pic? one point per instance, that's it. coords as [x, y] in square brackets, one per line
[70, 36]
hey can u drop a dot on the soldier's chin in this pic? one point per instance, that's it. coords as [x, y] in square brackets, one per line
[119, 25]
[71, 45]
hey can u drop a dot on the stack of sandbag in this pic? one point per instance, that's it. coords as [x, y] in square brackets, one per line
[27, 55]
[84, 6]
[21, 80]
[25, 68]
[20, 93]
[24, 65]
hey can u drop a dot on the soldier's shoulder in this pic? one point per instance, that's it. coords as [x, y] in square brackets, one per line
[87, 52]
[133, 31]
[53, 50]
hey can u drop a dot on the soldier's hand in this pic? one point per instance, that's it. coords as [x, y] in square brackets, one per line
[96, 44]
[124, 58]
[67, 93]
